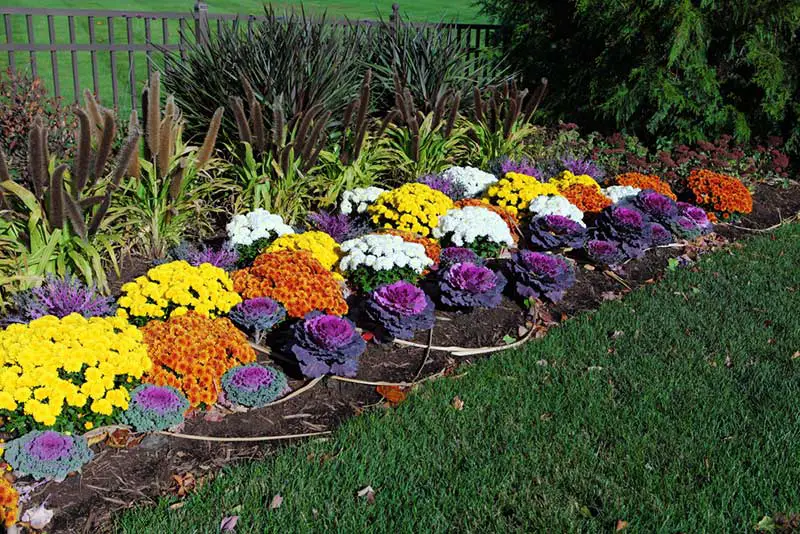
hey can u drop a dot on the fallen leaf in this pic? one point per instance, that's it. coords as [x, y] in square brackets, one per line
[394, 395]
[184, 483]
[796, 355]
[276, 502]
[546, 416]
[368, 336]
[38, 517]
[508, 340]
[589, 267]
[542, 363]
[176, 505]
[610, 295]
[118, 439]
[728, 362]
[367, 493]
[228, 524]
[94, 439]
[457, 403]
[621, 525]
[617, 334]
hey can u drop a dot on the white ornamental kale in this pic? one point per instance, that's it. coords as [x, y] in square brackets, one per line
[462, 226]
[474, 181]
[356, 201]
[620, 192]
[258, 224]
[383, 253]
[556, 205]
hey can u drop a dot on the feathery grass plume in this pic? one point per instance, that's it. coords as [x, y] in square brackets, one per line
[134, 169]
[207, 149]
[56, 196]
[94, 113]
[451, 120]
[145, 122]
[75, 215]
[278, 123]
[477, 104]
[256, 117]
[83, 156]
[166, 137]
[312, 143]
[154, 114]
[242, 125]
[389, 119]
[104, 146]
[438, 108]
[176, 182]
[305, 123]
[36, 157]
[130, 147]
[536, 100]
[361, 118]
[4, 175]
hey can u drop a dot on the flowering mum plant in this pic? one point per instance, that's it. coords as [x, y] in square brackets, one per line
[321, 246]
[565, 179]
[550, 232]
[586, 198]
[626, 226]
[155, 408]
[555, 205]
[251, 233]
[326, 344]
[719, 193]
[644, 181]
[191, 353]
[411, 207]
[618, 193]
[452, 255]
[9, 504]
[254, 385]
[339, 226]
[293, 278]
[68, 373]
[258, 316]
[467, 285]
[539, 275]
[472, 181]
[516, 191]
[603, 252]
[444, 184]
[377, 259]
[432, 247]
[47, 455]
[401, 309]
[223, 257]
[511, 220]
[176, 288]
[60, 297]
[476, 228]
[356, 201]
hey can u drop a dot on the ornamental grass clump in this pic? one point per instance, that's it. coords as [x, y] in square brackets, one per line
[258, 316]
[251, 233]
[467, 285]
[644, 181]
[154, 408]
[60, 297]
[411, 207]
[627, 227]
[723, 195]
[550, 232]
[473, 182]
[516, 191]
[326, 344]
[400, 309]
[540, 276]
[555, 205]
[602, 252]
[47, 455]
[477, 228]
[254, 385]
[9, 504]
[377, 259]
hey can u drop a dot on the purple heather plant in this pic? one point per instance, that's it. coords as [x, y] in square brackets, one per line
[258, 316]
[540, 275]
[454, 190]
[603, 252]
[550, 232]
[326, 344]
[467, 285]
[400, 309]
[523, 166]
[626, 226]
[47, 455]
[153, 408]
[583, 166]
[339, 226]
[60, 297]
[224, 257]
[452, 255]
[254, 385]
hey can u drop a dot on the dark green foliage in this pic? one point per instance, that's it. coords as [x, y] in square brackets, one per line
[367, 279]
[248, 253]
[680, 70]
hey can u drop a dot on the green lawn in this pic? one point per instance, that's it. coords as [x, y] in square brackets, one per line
[674, 410]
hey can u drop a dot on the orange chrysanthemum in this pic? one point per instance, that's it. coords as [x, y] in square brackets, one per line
[295, 279]
[510, 219]
[644, 181]
[587, 198]
[432, 247]
[720, 193]
[9, 499]
[192, 352]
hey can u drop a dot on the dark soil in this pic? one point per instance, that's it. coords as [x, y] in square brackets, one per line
[123, 477]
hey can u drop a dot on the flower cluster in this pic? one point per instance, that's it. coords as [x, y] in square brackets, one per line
[412, 207]
[258, 316]
[192, 352]
[722, 194]
[175, 288]
[155, 408]
[586, 198]
[539, 275]
[467, 285]
[452, 255]
[432, 247]
[474, 182]
[400, 309]
[516, 191]
[547, 232]
[377, 259]
[47, 455]
[258, 225]
[583, 167]
[9, 507]
[223, 257]
[627, 227]
[293, 278]
[326, 344]
[511, 220]
[618, 193]
[61, 371]
[60, 297]
[356, 201]
[522, 166]
[644, 181]
[603, 252]
[476, 228]
[339, 226]
[321, 246]
[555, 205]
[254, 385]
[565, 179]
[444, 184]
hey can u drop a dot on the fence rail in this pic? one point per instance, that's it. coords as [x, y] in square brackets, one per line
[113, 52]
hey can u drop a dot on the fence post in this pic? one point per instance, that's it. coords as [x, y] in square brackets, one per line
[201, 22]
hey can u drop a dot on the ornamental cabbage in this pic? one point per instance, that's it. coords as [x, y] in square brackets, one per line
[258, 316]
[603, 252]
[254, 385]
[467, 285]
[539, 275]
[155, 408]
[549, 232]
[47, 455]
[401, 309]
[326, 344]
[627, 227]
[452, 255]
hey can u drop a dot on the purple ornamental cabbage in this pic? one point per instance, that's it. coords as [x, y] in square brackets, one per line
[326, 344]
[467, 285]
[153, 408]
[47, 455]
[254, 385]
[539, 275]
[60, 297]
[523, 166]
[454, 190]
[452, 255]
[659, 208]
[549, 232]
[401, 309]
[659, 235]
[258, 316]
[697, 214]
[603, 252]
[339, 226]
[627, 227]
[583, 166]
[685, 227]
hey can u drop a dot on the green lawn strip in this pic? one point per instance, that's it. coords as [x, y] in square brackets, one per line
[674, 409]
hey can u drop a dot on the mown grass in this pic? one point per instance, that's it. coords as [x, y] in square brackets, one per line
[674, 410]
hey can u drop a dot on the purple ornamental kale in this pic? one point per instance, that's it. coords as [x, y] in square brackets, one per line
[401, 309]
[339, 226]
[583, 166]
[467, 285]
[253, 385]
[60, 297]
[549, 232]
[452, 255]
[659, 208]
[47, 455]
[685, 227]
[659, 235]
[454, 190]
[523, 166]
[603, 252]
[540, 275]
[626, 226]
[258, 316]
[326, 344]
[697, 214]
[155, 408]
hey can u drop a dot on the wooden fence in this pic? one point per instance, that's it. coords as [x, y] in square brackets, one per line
[113, 53]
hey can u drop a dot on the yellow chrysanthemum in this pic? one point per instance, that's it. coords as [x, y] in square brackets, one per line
[515, 191]
[412, 208]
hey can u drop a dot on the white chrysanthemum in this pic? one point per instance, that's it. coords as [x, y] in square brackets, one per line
[620, 192]
[462, 226]
[556, 205]
[357, 200]
[383, 252]
[258, 224]
[474, 181]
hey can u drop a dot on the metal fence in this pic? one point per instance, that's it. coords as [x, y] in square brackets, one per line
[113, 53]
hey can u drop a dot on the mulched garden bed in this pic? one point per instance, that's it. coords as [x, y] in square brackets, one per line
[129, 470]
